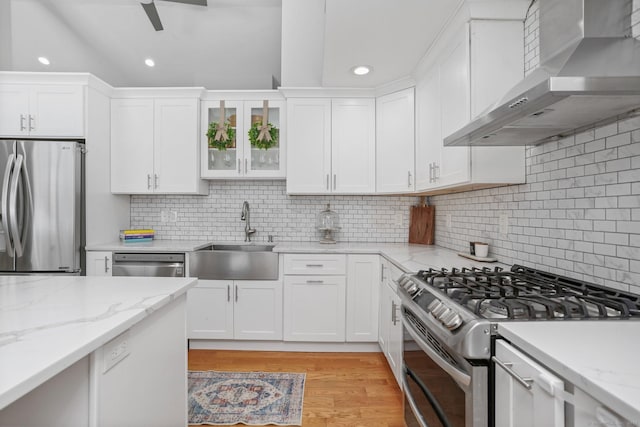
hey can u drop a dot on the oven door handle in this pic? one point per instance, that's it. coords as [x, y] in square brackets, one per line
[459, 376]
[412, 402]
[427, 393]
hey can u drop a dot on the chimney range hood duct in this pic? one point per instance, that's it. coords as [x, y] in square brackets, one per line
[589, 73]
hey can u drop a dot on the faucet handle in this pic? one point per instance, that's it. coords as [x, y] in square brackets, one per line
[270, 238]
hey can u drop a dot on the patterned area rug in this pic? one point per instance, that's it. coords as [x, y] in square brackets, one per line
[252, 398]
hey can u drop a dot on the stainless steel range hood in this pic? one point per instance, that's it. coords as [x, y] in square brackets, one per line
[589, 73]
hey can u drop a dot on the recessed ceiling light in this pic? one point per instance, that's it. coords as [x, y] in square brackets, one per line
[149, 62]
[43, 60]
[361, 70]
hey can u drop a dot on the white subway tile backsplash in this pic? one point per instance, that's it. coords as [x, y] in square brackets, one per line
[287, 218]
[585, 224]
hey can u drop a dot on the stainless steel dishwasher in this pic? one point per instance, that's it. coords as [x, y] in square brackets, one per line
[148, 264]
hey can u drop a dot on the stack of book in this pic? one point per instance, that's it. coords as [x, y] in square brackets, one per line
[136, 235]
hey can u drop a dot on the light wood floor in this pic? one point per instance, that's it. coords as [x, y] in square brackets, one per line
[341, 389]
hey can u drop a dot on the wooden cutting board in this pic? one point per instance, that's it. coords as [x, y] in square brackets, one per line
[422, 224]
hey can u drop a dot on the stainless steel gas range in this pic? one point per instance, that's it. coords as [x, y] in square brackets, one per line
[450, 317]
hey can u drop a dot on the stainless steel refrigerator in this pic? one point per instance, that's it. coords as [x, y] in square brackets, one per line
[41, 206]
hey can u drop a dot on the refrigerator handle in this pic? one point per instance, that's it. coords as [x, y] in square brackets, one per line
[13, 206]
[4, 208]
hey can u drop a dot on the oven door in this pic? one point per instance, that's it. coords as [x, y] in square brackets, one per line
[440, 388]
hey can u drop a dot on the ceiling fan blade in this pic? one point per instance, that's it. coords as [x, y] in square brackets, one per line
[152, 14]
[193, 2]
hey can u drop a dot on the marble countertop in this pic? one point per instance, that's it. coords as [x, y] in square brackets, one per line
[599, 357]
[49, 323]
[407, 257]
[156, 245]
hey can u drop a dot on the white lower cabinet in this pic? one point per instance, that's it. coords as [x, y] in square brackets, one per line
[331, 297]
[390, 335]
[590, 412]
[227, 309]
[363, 275]
[526, 393]
[98, 263]
[314, 308]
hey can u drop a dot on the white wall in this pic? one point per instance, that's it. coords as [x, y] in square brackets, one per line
[302, 43]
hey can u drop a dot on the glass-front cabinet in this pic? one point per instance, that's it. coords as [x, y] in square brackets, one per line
[243, 138]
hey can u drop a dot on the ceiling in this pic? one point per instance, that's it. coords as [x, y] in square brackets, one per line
[229, 44]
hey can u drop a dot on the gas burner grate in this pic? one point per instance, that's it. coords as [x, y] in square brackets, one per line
[526, 293]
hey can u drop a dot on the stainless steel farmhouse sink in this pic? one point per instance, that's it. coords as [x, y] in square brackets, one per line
[234, 262]
[241, 248]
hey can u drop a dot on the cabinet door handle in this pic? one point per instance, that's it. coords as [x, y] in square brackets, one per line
[525, 382]
[31, 122]
[394, 313]
[155, 180]
[430, 172]
[436, 171]
[148, 181]
[327, 181]
[22, 119]
[106, 264]
[228, 293]
[409, 180]
[236, 293]
[239, 170]
[246, 168]
[315, 265]
[382, 272]
[334, 181]
[317, 282]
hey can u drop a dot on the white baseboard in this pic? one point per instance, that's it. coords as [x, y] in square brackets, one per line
[364, 347]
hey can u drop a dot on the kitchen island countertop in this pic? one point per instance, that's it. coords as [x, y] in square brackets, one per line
[49, 323]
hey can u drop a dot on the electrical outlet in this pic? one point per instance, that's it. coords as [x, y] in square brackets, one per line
[503, 223]
[449, 225]
[115, 351]
[168, 216]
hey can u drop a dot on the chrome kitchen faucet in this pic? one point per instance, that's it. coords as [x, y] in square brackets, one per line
[246, 216]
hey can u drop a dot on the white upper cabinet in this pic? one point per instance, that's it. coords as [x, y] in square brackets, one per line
[468, 70]
[42, 110]
[331, 146]
[353, 145]
[395, 142]
[154, 146]
[309, 151]
[243, 150]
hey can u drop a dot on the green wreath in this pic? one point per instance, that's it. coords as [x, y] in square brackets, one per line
[264, 144]
[222, 144]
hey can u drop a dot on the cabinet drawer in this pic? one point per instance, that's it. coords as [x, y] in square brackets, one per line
[315, 264]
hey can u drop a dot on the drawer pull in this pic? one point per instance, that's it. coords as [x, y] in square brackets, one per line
[315, 265]
[315, 281]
